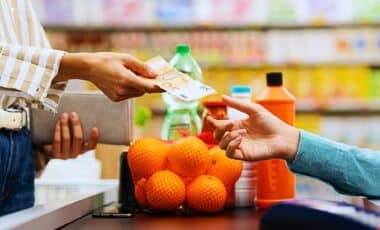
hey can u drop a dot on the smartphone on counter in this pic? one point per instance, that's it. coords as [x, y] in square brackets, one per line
[113, 119]
[114, 210]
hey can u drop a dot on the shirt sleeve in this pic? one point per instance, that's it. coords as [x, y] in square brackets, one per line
[28, 72]
[350, 170]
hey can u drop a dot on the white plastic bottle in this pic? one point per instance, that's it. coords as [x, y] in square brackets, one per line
[245, 187]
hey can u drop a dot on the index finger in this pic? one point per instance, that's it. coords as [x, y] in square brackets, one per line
[242, 106]
[138, 66]
[220, 126]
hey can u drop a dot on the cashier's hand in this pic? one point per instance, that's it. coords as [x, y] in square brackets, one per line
[261, 136]
[68, 138]
[119, 76]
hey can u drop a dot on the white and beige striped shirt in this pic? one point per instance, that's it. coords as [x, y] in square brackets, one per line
[27, 62]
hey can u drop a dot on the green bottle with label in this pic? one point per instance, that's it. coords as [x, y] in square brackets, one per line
[182, 117]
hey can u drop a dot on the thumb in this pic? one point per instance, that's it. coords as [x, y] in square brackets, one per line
[220, 127]
[215, 124]
[48, 150]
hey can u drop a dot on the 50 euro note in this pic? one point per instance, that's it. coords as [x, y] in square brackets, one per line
[177, 83]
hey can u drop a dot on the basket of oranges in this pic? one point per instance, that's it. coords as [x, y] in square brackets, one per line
[183, 175]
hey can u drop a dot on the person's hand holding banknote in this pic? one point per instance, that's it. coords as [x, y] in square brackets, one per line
[176, 83]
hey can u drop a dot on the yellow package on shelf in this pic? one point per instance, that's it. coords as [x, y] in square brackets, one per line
[309, 122]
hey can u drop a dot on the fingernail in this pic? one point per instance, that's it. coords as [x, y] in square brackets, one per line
[151, 72]
[242, 131]
[64, 116]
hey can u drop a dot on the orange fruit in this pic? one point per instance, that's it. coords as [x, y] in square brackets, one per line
[165, 191]
[188, 157]
[206, 194]
[140, 193]
[217, 153]
[147, 156]
[226, 169]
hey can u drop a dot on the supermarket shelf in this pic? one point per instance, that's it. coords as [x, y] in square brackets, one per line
[100, 38]
[344, 107]
[340, 107]
[290, 65]
[116, 28]
[341, 112]
[323, 112]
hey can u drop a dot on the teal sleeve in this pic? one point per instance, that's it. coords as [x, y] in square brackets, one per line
[350, 170]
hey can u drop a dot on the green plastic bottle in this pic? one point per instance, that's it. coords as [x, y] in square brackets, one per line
[182, 117]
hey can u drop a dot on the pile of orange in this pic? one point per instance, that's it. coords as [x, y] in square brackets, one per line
[186, 172]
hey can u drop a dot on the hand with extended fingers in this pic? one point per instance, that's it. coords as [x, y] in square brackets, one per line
[68, 138]
[261, 136]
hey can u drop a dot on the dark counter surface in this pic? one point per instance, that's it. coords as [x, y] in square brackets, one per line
[230, 219]
[247, 218]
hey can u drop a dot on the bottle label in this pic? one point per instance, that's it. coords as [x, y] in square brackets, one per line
[176, 83]
[177, 131]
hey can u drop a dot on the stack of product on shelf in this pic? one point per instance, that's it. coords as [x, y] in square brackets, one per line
[206, 12]
[250, 48]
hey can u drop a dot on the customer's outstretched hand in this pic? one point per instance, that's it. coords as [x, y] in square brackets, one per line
[261, 136]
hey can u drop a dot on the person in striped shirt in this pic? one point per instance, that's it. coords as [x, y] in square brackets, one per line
[32, 74]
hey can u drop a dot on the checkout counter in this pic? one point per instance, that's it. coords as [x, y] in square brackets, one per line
[58, 204]
[70, 206]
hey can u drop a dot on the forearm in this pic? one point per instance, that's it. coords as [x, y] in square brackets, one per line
[349, 169]
[74, 66]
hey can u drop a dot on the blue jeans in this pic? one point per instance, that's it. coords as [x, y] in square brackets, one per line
[16, 171]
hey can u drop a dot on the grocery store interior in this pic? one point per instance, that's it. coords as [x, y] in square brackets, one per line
[327, 50]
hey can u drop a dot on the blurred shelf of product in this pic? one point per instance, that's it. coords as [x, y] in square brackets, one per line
[221, 32]
[236, 49]
[316, 88]
[147, 13]
[363, 131]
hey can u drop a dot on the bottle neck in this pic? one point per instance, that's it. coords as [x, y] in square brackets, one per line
[183, 54]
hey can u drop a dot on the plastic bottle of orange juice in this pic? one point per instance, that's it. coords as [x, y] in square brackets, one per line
[275, 182]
